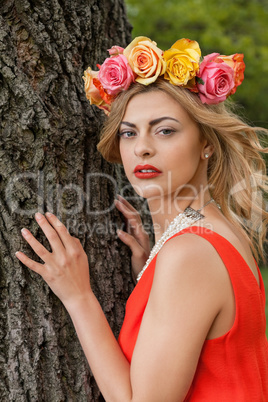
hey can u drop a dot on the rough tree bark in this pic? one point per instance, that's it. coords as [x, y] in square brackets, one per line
[48, 161]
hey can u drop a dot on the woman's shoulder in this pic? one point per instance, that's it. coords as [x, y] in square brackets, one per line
[189, 254]
[202, 249]
[191, 279]
[190, 244]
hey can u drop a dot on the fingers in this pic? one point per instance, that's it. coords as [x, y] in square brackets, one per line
[126, 203]
[33, 265]
[139, 255]
[131, 242]
[52, 235]
[132, 216]
[126, 208]
[56, 233]
[135, 226]
[37, 247]
[59, 227]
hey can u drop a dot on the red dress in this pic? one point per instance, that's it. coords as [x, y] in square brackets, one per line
[233, 367]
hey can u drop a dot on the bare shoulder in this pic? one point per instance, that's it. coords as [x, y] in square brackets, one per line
[189, 253]
[188, 268]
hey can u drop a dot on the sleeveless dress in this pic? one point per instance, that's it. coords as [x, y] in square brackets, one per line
[234, 366]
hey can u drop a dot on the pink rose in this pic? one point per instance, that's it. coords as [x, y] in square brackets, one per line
[236, 62]
[115, 50]
[215, 79]
[115, 74]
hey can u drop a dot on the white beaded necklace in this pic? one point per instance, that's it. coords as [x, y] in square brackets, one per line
[181, 221]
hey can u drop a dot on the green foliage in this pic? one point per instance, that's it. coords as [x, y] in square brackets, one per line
[226, 27]
[264, 273]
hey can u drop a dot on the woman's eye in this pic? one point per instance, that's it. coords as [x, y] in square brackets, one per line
[166, 131]
[126, 134]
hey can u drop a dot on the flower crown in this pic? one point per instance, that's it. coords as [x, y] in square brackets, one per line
[214, 79]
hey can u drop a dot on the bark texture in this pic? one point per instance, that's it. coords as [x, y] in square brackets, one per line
[48, 161]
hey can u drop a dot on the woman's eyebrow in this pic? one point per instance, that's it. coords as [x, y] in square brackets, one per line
[156, 121]
[153, 122]
[128, 124]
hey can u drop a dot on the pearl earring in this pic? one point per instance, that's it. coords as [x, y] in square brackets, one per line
[206, 156]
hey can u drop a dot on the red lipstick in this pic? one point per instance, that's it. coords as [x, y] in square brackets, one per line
[146, 171]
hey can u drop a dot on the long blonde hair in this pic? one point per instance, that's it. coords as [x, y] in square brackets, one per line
[236, 171]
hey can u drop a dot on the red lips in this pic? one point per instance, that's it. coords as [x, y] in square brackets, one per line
[146, 171]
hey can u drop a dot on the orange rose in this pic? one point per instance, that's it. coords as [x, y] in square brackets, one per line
[236, 62]
[145, 59]
[182, 62]
[93, 93]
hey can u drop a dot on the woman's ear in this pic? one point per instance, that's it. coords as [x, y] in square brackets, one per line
[207, 151]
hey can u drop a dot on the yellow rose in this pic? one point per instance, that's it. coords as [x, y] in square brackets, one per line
[182, 62]
[145, 59]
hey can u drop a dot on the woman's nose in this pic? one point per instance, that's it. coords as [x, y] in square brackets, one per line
[144, 146]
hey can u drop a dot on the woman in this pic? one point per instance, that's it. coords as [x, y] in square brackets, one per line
[194, 328]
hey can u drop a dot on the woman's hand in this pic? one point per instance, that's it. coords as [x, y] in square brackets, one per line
[65, 269]
[135, 237]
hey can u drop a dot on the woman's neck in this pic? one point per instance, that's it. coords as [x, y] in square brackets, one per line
[163, 210]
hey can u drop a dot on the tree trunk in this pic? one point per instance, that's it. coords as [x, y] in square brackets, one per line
[48, 161]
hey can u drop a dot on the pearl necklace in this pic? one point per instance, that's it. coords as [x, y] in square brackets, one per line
[182, 221]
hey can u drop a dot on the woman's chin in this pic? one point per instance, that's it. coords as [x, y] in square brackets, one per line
[149, 191]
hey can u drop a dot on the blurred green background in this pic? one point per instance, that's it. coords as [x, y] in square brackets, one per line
[225, 27]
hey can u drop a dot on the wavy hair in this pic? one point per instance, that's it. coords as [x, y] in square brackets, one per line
[236, 170]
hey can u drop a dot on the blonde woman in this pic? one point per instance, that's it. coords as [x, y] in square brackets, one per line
[194, 327]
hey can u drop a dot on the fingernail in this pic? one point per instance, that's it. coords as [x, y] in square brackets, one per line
[25, 232]
[38, 216]
[49, 214]
[119, 232]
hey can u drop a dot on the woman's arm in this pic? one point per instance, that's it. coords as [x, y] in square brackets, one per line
[185, 299]
[66, 272]
[188, 293]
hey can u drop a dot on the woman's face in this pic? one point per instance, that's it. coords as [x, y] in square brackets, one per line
[160, 146]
